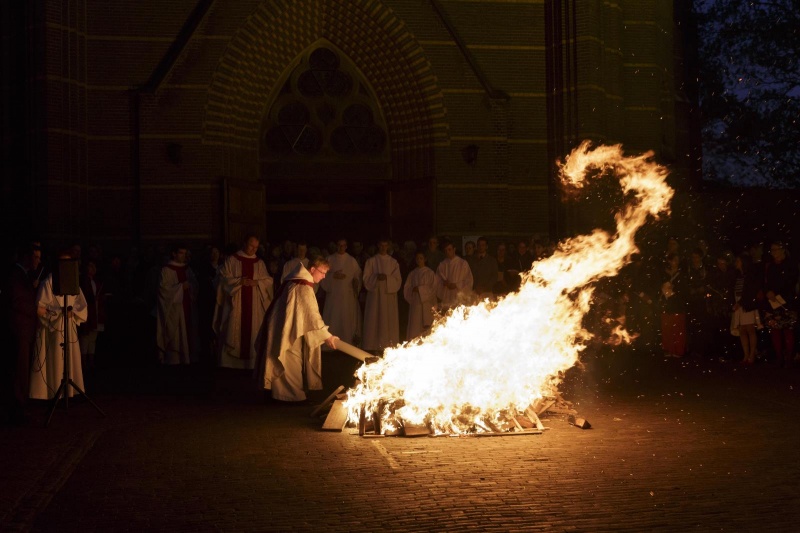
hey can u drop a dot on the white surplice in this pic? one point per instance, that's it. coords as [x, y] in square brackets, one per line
[342, 312]
[176, 337]
[420, 303]
[381, 323]
[294, 332]
[47, 369]
[227, 323]
[457, 271]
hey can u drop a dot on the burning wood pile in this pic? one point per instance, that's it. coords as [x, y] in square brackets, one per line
[481, 363]
[526, 422]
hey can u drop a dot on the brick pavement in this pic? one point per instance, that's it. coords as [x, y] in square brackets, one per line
[675, 445]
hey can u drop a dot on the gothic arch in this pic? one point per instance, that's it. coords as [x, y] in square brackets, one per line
[324, 110]
[271, 43]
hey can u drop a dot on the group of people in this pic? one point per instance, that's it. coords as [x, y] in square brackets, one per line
[276, 316]
[220, 306]
[43, 322]
[274, 309]
[708, 303]
[261, 311]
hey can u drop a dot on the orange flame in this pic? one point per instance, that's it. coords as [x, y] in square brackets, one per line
[482, 361]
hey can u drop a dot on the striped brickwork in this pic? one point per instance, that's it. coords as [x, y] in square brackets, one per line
[62, 128]
[267, 47]
[205, 120]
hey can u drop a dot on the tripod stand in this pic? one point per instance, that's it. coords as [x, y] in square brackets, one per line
[66, 380]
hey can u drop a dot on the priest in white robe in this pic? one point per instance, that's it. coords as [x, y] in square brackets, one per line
[176, 311]
[420, 293]
[453, 279]
[47, 369]
[342, 285]
[383, 281]
[293, 334]
[244, 293]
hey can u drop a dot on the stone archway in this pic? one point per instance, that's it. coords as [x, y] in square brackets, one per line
[272, 42]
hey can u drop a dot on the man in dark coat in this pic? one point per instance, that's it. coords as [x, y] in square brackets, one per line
[20, 302]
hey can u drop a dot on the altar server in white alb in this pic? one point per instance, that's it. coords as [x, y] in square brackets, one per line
[342, 285]
[176, 318]
[244, 293]
[299, 258]
[293, 334]
[420, 293]
[47, 368]
[383, 281]
[453, 279]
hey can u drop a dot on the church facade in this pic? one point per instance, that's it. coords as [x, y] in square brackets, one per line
[202, 120]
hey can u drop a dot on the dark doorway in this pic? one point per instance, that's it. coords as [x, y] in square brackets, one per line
[412, 209]
[319, 211]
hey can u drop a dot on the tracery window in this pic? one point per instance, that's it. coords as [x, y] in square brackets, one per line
[324, 108]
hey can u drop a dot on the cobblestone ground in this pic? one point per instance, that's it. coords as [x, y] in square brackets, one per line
[675, 446]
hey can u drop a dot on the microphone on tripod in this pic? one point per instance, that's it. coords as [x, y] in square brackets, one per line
[66, 284]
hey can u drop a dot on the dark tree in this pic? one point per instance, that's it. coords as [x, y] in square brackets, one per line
[750, 90]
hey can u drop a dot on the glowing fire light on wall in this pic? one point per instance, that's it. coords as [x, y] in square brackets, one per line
[485, 361]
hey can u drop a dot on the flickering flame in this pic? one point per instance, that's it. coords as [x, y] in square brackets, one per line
[482, 362]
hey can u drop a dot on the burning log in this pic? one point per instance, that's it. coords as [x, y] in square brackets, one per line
[415, 430]
[376, 419]
[544, 406]
[362, 422]
[524, 422]
[534, 418]
[384, 420]
[493, 426]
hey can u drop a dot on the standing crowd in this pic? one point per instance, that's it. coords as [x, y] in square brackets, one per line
[273, 309]
[733, 306]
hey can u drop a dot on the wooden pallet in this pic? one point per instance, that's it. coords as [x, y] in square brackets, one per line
[337, 417]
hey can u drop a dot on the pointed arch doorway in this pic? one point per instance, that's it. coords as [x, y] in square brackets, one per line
[326, 156]
[305, 167]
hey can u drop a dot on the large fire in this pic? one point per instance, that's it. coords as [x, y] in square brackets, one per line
[483, 362]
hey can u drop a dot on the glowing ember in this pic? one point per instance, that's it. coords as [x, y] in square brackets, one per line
[487, 361]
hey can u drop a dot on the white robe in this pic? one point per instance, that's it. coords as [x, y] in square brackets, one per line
[295, 332]
[176, 339]
[381, 323]
[227, 323]
[455, 270]
[342, 312]
[291, 265]
[47, 369]
[421, 303]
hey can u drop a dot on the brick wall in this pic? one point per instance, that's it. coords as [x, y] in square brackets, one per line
[204, 122]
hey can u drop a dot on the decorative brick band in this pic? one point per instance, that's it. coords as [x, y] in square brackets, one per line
[267, 46]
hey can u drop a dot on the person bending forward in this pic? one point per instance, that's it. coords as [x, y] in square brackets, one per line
[294, 332]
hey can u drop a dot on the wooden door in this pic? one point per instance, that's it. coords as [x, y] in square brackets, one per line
[321, 210]
[245, 210]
